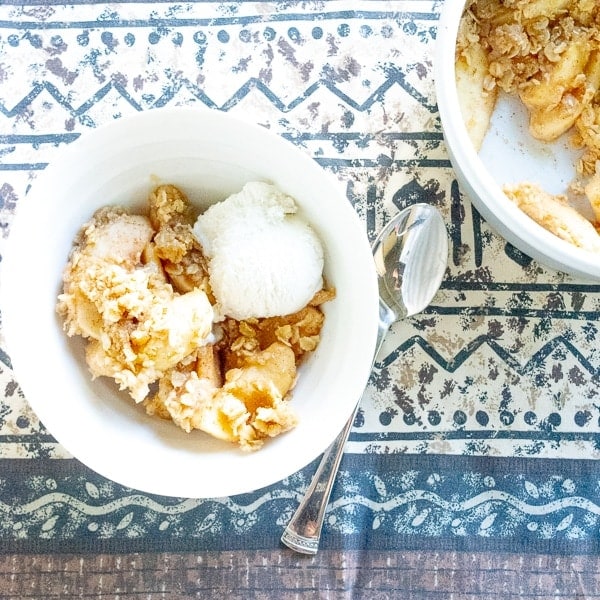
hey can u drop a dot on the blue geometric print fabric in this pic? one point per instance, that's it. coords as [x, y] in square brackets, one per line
[481, 424]
[381, 502]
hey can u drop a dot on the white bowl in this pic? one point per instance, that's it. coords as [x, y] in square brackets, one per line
[508, 155]
[210, 155]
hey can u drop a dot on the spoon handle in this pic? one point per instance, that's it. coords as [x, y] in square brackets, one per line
[303, 532]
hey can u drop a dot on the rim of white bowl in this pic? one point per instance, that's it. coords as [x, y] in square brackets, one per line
[474, 178]
[265, 470]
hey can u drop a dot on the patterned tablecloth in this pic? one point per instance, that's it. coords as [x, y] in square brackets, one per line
[480, 430]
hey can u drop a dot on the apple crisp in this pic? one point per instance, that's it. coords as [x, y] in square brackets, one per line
[547, 53]
[137, 288]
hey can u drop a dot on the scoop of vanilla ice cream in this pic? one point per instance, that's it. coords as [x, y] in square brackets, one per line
[264, 259]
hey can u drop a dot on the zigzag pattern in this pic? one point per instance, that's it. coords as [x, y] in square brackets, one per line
[453, 364]
[395, 77]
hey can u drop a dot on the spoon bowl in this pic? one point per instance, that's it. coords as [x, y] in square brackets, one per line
[410, 254]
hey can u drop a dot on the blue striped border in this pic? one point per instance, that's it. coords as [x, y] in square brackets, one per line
[515, 482]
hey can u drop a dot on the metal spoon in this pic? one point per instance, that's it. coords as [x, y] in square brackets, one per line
[410, 254]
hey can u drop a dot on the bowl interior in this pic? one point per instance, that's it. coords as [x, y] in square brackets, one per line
[209, 155]
[508, 155]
